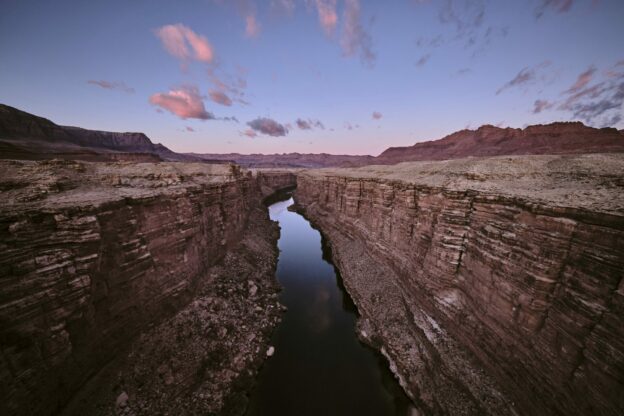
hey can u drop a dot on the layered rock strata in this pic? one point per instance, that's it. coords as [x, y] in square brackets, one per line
[94, 254]
[271, 180]
[493, 286]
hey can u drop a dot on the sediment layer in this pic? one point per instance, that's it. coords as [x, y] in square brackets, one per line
[494, 286]
[94, 254]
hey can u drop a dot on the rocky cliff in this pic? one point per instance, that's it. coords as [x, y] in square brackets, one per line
[493, 286]
[94, 254]
[26, 136]
[271, 180]
[487, 140]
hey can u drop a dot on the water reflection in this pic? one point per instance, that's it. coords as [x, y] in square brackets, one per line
[319, 366]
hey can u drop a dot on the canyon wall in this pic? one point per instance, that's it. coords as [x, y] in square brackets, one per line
[493, 286]
[93, 254]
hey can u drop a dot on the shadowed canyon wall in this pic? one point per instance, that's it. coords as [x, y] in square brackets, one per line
[93, 254]
[493, 286]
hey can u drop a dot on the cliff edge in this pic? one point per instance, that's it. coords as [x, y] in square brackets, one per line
[493, 286]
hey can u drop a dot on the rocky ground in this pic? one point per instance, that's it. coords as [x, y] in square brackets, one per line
[52, 184]
[204, 359]
[592, 181]
[134, 288]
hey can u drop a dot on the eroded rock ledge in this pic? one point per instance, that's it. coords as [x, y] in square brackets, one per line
[494, 286]
[94, 254]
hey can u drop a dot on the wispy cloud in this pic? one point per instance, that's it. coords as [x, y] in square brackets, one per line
[303, 124]
[376, 115]
[597, 98]
[283, 6]
[220, 97]
[268, 126]
[309, 124]
[423, 59]
[184, 102]
[228, 89]
[600, 104]
[541, 105]
[328, 18]
[558, 6]
[249, 133]
[355, 39]
[112, 85]
[181, 42]
[252, 27]
[524, 77]
[583, 79]
[246, 9]
[465, 15]
[467, 25]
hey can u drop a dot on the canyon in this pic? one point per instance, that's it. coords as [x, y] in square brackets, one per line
[493, 285]
[136, 280]
[96, 254]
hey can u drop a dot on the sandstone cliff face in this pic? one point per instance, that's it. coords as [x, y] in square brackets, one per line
[270, 181]
[93, 254]
[493, 286]
[487, 140]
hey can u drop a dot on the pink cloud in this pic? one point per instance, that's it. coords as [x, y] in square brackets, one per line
[252, 27]
[327, 15]
[377, 115]
[184, 102]
[250, 133]
[181, 42]
[355, 39]
[583, 79]
[220, 98]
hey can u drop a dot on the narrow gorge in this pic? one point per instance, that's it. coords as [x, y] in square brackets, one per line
[94, 255]
[491, 285]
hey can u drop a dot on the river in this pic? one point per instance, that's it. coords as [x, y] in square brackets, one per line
[319, 367]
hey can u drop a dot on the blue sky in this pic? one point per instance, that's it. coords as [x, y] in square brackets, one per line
[336, 76]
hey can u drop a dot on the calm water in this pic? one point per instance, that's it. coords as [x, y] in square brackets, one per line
[319, 366]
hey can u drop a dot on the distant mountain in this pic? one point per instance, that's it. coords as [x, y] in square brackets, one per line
[290, 160]
[487, 140]
[26, 136]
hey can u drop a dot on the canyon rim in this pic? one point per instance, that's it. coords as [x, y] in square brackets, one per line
[407, 208]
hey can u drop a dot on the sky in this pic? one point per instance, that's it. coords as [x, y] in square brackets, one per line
[312, 76]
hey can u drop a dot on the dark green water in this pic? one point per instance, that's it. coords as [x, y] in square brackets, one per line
[319, 366]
